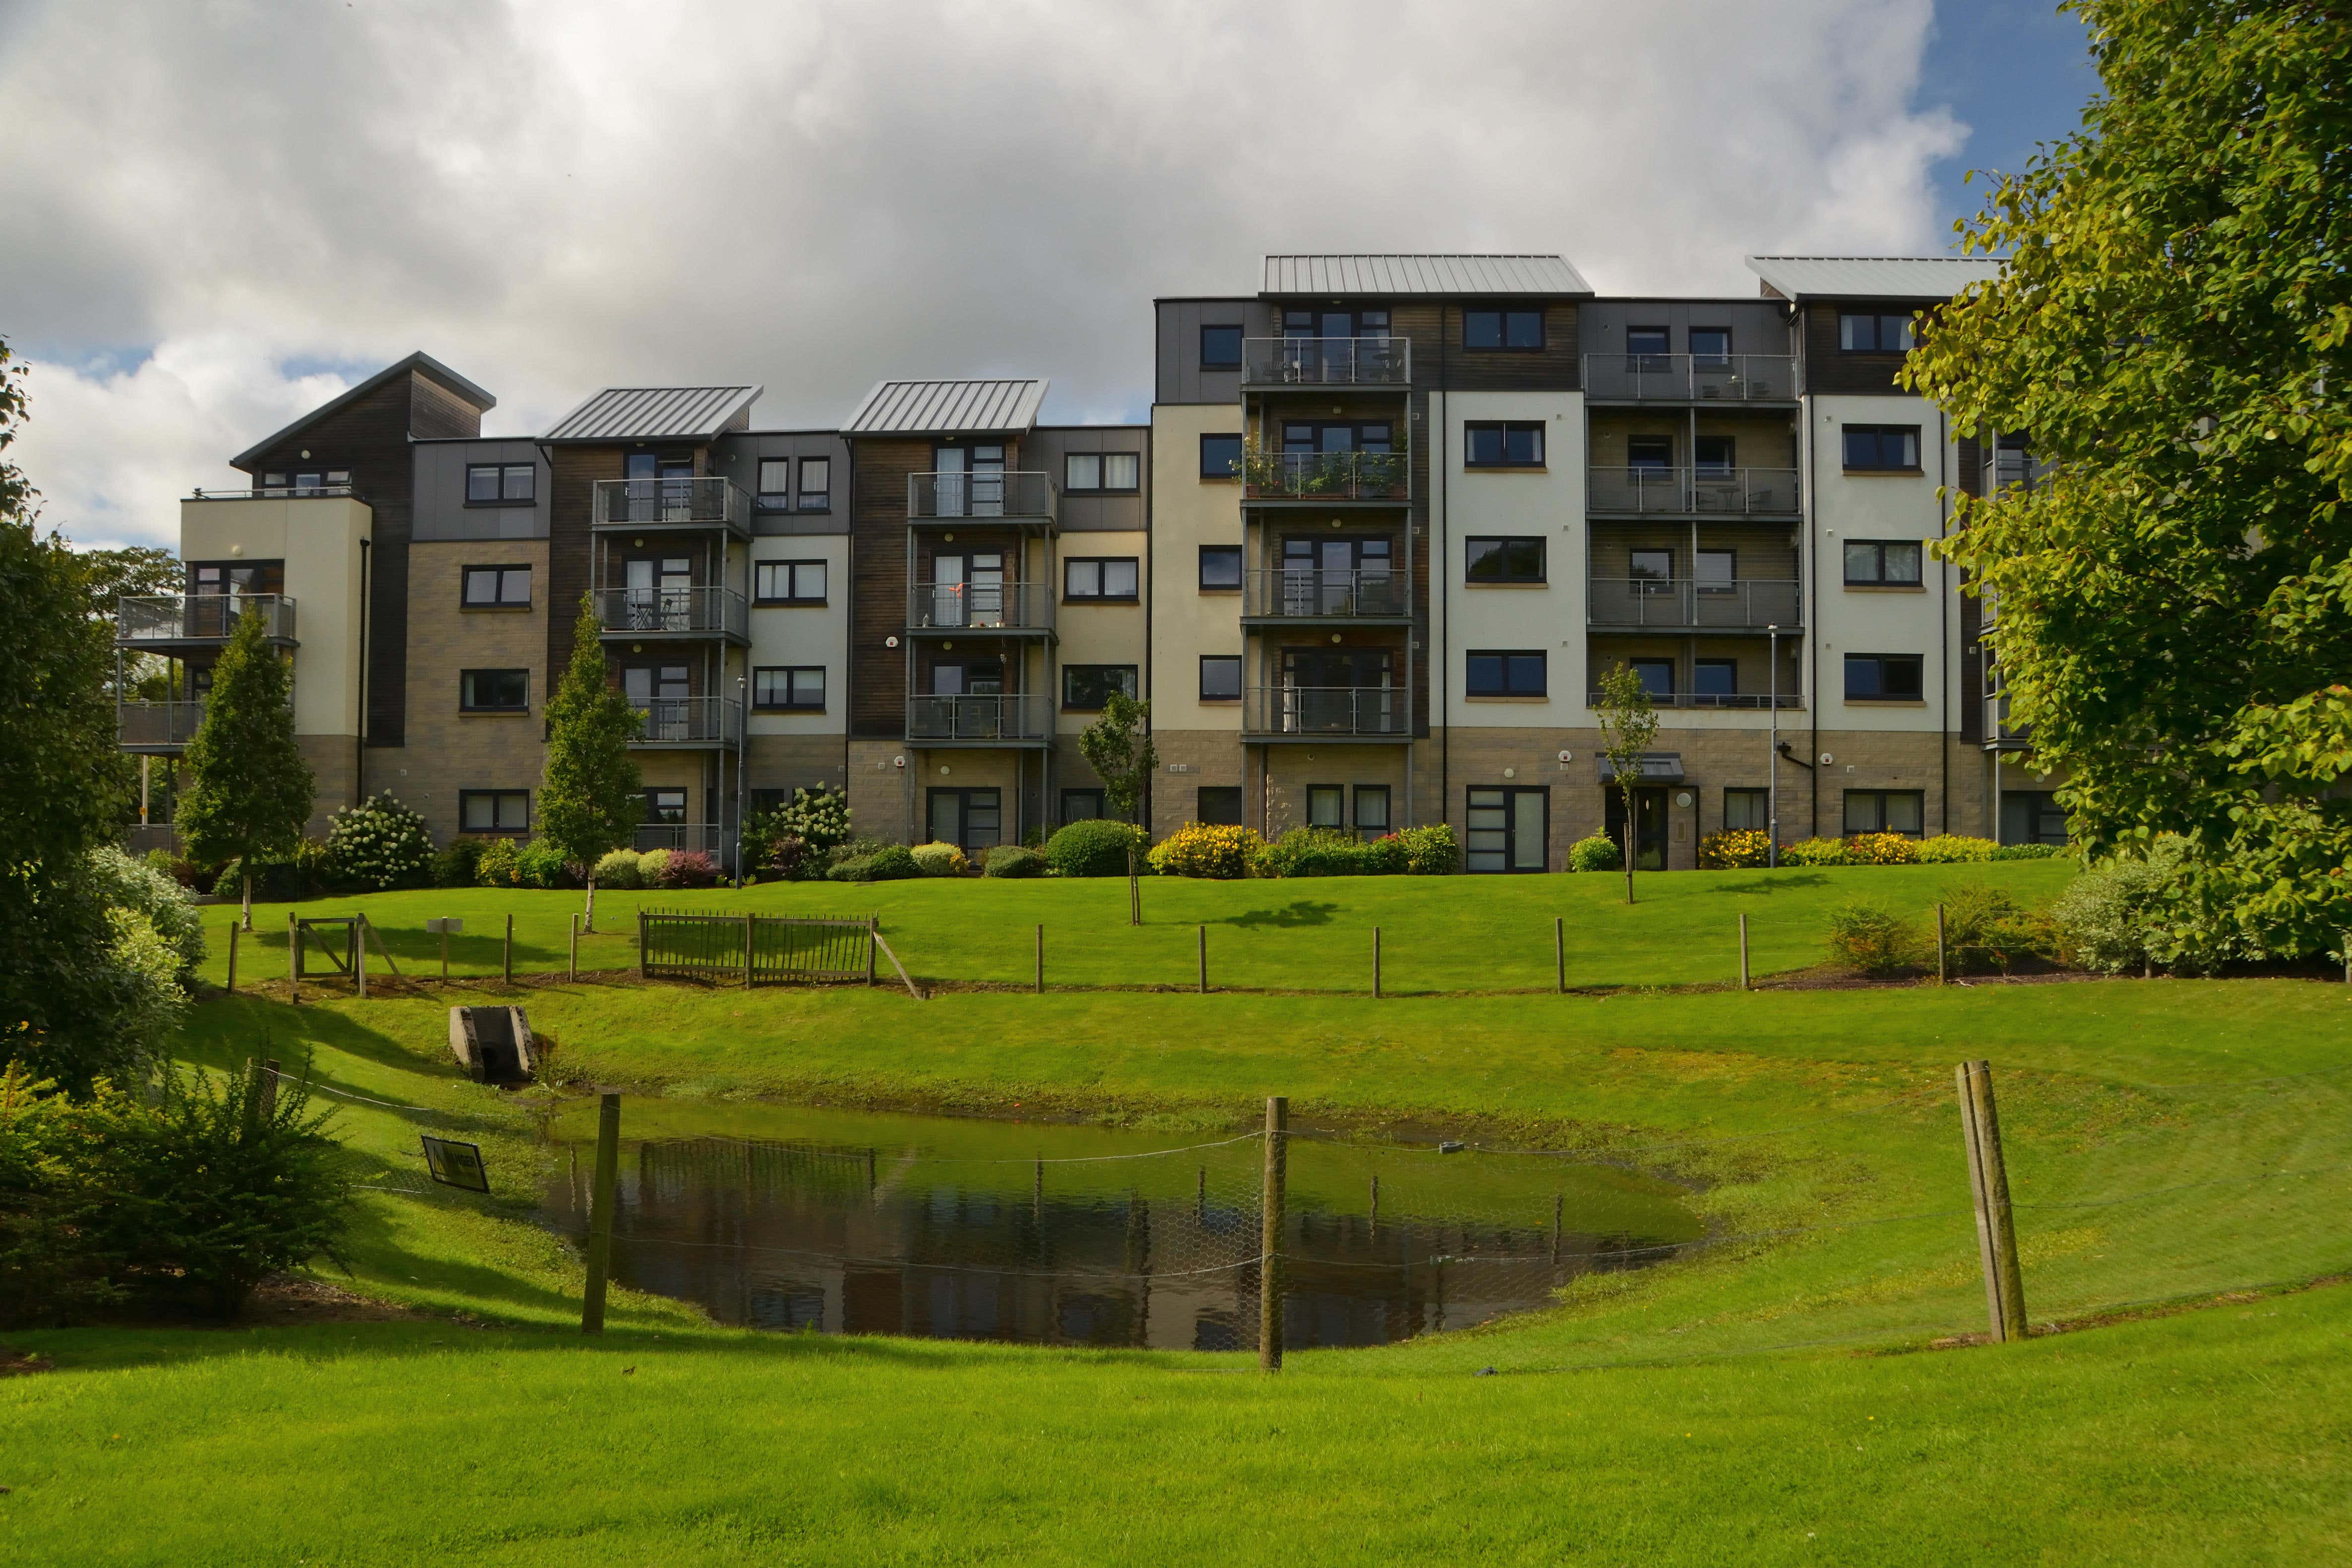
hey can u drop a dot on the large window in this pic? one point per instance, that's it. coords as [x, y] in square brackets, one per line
[1491, 673]
[775, 492]
[1657, 677]
[494, 691]
[1747, 811]
[497, 588]
[1221, 567]
[788, 582]
[1086, 472]
[1082, 806]
[1087, 687]
[789, 688]
[1504, 559]
[1883, 563]
[666, 807]
[1500, 444]
[816, 486]
[1715, 677]
[1710, 348]
[1885, 811]
[1371, 810]
[1715, 456]
[1882, 448]
[1508, 830]
[1327, 806]
[501, 484]
[1100, 577]
[1882, 677]
[2032, 817]
[1650, 452]
[1221, 348]
[1218, 806]
[1221, 457]
[1868, 333]
[1647, 343]
[1221, 677]
[1520, 329]
[494, 810]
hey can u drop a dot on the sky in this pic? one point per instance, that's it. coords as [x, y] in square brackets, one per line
[223, 212]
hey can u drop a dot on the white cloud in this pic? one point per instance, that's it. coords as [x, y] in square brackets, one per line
[553, 194]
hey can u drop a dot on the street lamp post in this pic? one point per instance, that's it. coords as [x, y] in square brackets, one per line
[742, 749]
[1772, 757]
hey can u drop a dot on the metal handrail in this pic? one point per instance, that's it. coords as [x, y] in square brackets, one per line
[1724, 700]
[707, 611]
[1679, 602]
[1326, 476]
[198, 617]
[980, 607]
[1012, 715]
[691, 501]
[1701, 491]
[1733, 378]
[1327, 710]
[277, 492]
[708, 837]
[1326, 361]
[986, 493]
[689, 721]
[157, 723]
[1311, 592]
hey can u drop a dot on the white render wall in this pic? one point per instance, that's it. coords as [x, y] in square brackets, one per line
[805, 634]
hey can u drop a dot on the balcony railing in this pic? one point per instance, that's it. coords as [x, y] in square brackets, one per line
[1326, 476]
[708, 837]
[278, 493]
[979, 606]
[1733, 378]
[145, 837]
[1011, 494]
[2000, 735]
[1712, 699]
[686, 611]
[701, 502]
[1363, 711]
[200, 617]
[1745, 604]
[150, 726]
[690, 721]
[1014, 716]
[1312, 594]
[1328, 361]
[1700, 492]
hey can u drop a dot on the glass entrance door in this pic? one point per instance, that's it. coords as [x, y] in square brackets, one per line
[658, 596]
[1649, 821]
[662, 693]
[1509, 829]
[971, 820]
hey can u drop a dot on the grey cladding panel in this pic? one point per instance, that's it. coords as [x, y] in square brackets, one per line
[1113, 512]
[441, 509]
[738, 457]
[1757, 325]
[1181, 377]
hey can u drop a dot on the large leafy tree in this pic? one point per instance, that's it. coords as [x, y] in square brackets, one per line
[2171, 330]
[591, 795]
[249, 792]
[134, 571]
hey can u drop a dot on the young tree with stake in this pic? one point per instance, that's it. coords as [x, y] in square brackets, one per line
[249, 792]
[1118, 748]
[591, 795]
[1628, 725]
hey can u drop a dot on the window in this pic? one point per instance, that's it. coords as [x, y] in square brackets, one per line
[665, 808]
[1221, 348]
[1887, 448]
[1504, 674]
[1653, 571]
[775, 494]
[1089, 471]
[1891, 563]
[1336, 435]
[1882, 677]
[1221, 567]
[1873, 334]
[1714, 678]
[497, 588]
[1099, 576]
[1087, 687]
[492, 484]
[1218, 806]
[1710, 348]
[1885, 811]
[494, 810]
[2032, 817]
[1510, 329]
[1657, 676]
[1508, 829]
[1713, 455]
[1647, 343]
[794, 689]
[1498, 445]
[1371, 810]
[1717, 570]
[788, 582]
[1649, 452]
[1747, 811]
[1505, 560]
[1327, 806]
[1221, 677]
[1221, 457]
[816, 486]
[494, 691]
[1082, 806]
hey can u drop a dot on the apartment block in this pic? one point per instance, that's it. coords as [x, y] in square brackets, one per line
[1390, 522]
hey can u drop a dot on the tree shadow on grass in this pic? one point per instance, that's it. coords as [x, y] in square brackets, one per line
[1298, 912]
[1773, 882]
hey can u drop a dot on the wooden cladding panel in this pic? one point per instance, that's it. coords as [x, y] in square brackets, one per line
[572, 498]
[438, 412]
[878, 671]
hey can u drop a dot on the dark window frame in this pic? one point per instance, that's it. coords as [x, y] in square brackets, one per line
[1504, 429]
[1714, 662]
[1750, 794]
[1070, 703]
[764, 499]
[792, 576]
[1508, 669]
[1906, 323]
[1220, 476]
[1239, 674]
[1504, 798]
[466, 676]
[805, 499]
[500, 602]
[1666, 337]
[1882, 580]
[1201, 814]
[685, 803]
[1918, 797]
[1099, 597]
[1241, 568]
[1503, 544]
[1504, 315]
[1101, 802]
[1881, 434]
[1673, 674]
[466, 796]
[1240, 331]
[1339, 794]
[792, 689]
[1381, 793]
[1916, 662]
[503, 471]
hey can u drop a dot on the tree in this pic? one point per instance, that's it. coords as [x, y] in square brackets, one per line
[1117, 747]
[133, 571]
[2171, 332]
[591, 795]
[1628, 725]
[249, 792]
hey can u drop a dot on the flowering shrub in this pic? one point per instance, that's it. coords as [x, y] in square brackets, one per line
[1881, 849]
[1597, 853]
[1815, 851]
[686, 868]
[1954, 849]
[621, 869]
[378, 845]
[818, 819]
[499, 864]
[1196, 850]
[1735, 849]
[940, 860]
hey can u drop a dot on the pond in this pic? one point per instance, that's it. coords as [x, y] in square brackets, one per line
[1048, 1233]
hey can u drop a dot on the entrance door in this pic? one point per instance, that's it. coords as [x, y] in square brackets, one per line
[661, 692]
[970, 480]
[1509, 829]
[1650, 823]
[1326, 576]
[968, 590]
[971, 820]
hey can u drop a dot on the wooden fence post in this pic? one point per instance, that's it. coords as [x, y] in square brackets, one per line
[1269, 1288]
[359, 956]
[509, 950]
[1134, 891]
[1558, 1213]
[1040, 960]
[1743, 951]
[293, 958]
[571, 964]
[1202, 941]
[232, 959]
[1943, 966]
[445, 955]
[749, 937]
[1989, 1186]
[1376, 1206]
[870, 948]
[600, 1212]
[641, 951]
[1559, 954]
[1376, 962]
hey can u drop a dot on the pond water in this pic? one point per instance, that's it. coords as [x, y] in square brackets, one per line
[1047, 1233]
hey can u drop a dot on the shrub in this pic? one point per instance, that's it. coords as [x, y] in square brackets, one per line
[1096, 848]
[1431, 851]
[891, 863]
[1955, 848]
[622, 869]
[1881, 849]
[1597, 853]
[1815, 851]
[2112, 918]
[1313, 852]
[458, 864]
[539, 864]
[938, 859]
[297, 875]
[1735, 849]
[499, 864]
[2025, 852]
[818, 819]
[788, 856]
[378, 845]
[1014, 860]
[1386, 856]
[1985, 928]
[652, 866]
[136, 886]
[1225, 854]
[683, 868]
[1870, 939]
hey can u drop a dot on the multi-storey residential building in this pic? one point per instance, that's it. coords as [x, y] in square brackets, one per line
[1392, 518]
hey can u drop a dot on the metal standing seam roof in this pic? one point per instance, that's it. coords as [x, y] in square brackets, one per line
[646, 413]
[1456, 276]
[1874, 276]
[947, 408]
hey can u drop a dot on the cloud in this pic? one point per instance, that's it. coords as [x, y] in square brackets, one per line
[552, 195]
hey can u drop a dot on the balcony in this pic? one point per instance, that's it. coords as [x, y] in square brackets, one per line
[156, 726]
[1015, 497]
[1690, 377]
[1321, 362]
[1747, 604]
[143, 838]
[980, 607]
[2000, 735]
[1308, 594]
[708, 837]
[198, 619]
[1696, 700]
[684, 723]
[1326, 476]
[678, 503]
[671, 613]
[1013, 720]
[1692, 492]
[1326, 713]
